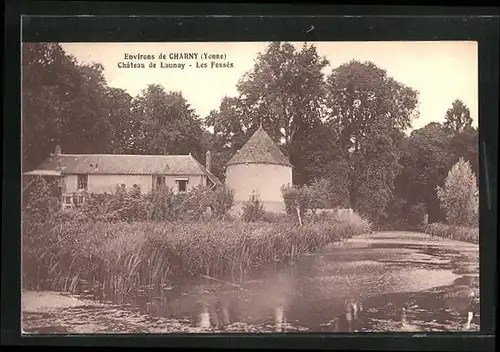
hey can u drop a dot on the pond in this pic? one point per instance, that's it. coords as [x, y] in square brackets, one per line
[389, 281]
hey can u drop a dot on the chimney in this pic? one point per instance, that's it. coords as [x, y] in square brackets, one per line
[58, 150]
[208, 164]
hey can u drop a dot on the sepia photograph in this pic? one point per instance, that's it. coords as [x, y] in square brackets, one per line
[249, 187]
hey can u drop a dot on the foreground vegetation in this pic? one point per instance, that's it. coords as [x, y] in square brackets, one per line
[459, 233]
[120, 257]
[460, 203]
[110, 250]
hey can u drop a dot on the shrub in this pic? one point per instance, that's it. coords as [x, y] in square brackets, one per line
[457, 197]
[302, 198]
[97, 207]
[193, 204]
[159, 205]
[459, 233]
[395, 217]
[290, 195]
[317, 195]
[253, 209]
[416, 216]
[349, 222]
[272, 217]
[123, 205]
[221, 201]
[40, 200]
[373, 198]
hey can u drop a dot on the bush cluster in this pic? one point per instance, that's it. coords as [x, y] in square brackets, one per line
[305, 197]
[459, 233]
[416, 216]
[253, 209]
[132, 205]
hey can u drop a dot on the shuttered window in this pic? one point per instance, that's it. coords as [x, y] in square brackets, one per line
[83, 181]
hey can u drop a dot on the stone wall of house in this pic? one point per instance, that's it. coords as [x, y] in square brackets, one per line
[70, 184]
[108, 183]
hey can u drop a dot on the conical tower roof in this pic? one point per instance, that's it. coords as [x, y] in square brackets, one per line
[259, 149]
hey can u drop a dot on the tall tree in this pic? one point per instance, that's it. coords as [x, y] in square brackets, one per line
[378, 166]
[46, 74]
[465, 144]
[87, 129]
[458, 117]
[229, 132]
[369, 110]
[228, 123]
[63, 102]
[123, 125]
[426, 160]
[464, 140]
[167, 124]
[321, 160]
[458, 195]
[283, 92]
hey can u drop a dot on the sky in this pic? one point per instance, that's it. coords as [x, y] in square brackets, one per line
[440, 71]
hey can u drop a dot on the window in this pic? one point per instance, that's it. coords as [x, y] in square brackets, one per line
[182, 185]
[83, 181]
[78, 200]
[160, 181]
[67, 202]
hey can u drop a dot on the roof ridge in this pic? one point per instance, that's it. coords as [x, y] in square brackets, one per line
[260, 148]
[122, 164]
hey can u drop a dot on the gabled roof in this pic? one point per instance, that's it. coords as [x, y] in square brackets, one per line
[259, 149]
[119, 164]
[210, 175]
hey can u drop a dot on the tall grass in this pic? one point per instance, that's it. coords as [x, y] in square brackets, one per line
[120, 258]
[459, 233]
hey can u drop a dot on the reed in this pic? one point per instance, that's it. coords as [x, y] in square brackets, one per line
[124, 258]
[459, 233]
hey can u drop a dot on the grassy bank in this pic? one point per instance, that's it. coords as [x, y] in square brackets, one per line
[459, 233]
[119, 258]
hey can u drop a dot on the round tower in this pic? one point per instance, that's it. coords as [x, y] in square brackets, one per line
[260, 167]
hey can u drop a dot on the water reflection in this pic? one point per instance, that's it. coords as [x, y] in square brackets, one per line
[348, 289]
[205, 318]
[279, 319]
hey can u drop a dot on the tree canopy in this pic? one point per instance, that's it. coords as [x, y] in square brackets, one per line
[458, 117]
[344, 128]
[70, 104]
[369, 110]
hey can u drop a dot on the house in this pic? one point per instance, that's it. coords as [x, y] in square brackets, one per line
[260, 167]
[80, 174]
